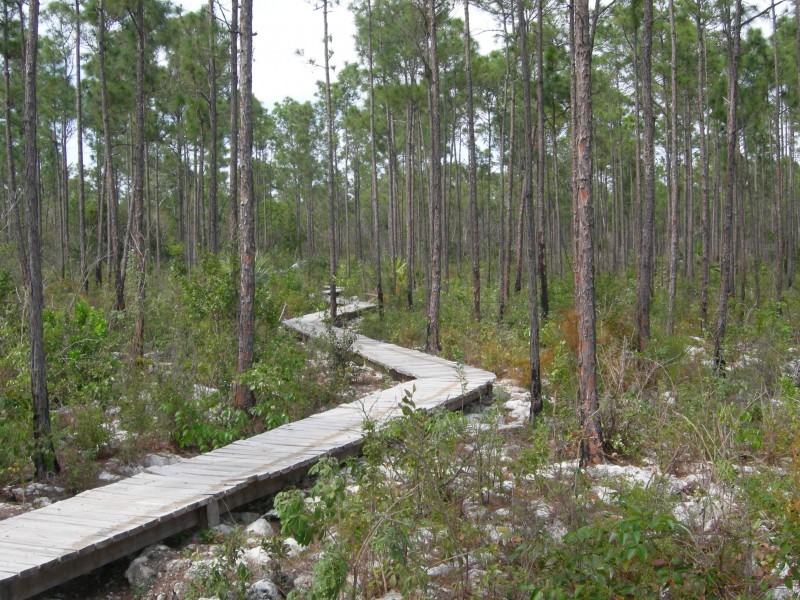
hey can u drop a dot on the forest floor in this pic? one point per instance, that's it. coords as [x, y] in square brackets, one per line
[700, 495]
[492, 501]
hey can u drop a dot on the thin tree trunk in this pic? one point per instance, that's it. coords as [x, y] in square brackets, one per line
[473, 174]
[540, 169]
[733, 42]
[331, 181]
[158, 215]
[234, 103]
[591, 433]
[83, 269]
[410, 202]
[243, 396]
[704, 208]
[432, 344]
[137, 239]
[212, 116]
[115, 253]
[673, 173]
[688, 190]
[778, 168]
[645, 263]
[527, 200]
[44, 456]
[376, 238]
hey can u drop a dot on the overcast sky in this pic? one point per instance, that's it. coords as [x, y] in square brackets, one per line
[285, 26]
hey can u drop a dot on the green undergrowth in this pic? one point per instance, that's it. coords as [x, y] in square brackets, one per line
[179, 398]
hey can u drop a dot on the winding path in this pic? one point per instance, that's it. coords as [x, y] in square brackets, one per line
[49, 546]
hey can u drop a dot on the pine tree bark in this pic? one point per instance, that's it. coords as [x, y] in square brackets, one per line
[114, 246]
[243, 396]
[705, 233]
[410, 203]
[137, 238]
[583, 228]
[527, 200]
[645, 261]
[44, 456]
[732, 32]
[473, 173]
[234, 103]
[541, 172]
[212, 120]
[779, 250]
[376, 237]
[83, 269]
[432, 344]
[331, 175]
[673, 173]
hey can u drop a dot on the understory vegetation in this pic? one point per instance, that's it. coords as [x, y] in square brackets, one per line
[479, 500]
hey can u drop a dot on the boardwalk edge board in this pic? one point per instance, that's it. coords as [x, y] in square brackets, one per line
[49, 546]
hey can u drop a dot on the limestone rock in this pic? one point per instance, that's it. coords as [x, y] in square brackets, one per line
[262, 528]
[263, 589]
[140, 574]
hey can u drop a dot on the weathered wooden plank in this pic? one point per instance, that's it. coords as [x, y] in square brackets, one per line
[167, 499]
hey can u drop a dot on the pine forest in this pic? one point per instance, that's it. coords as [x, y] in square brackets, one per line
[597, 203]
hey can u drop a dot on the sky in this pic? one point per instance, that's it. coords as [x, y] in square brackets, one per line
[285, 26]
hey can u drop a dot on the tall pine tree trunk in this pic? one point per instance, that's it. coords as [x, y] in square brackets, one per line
[645, 262]
[732, 32]
[527, 200]
[243, 396]
[673, 174]
[112, 203]
[432, 344]
[212, 114]
[778, 169]
[331, 181]
[44, 456]
[83, 269]
[705, 225]
[137, 239]
[376, 237]
[234, 104]
[473, 174]
[583, 229]
[541, 166]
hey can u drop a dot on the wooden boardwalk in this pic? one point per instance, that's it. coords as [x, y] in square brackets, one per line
[49, 546]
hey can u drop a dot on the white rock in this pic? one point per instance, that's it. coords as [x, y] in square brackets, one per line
[603, 493]
[140, 574]
[257, 557]
[261, 527]
[303, 581]
[106, 476]
[263, 589]
[42, 502]
[201, 566]
[201, 391]
[541, 509]
[180, 589]
[293, 547]
[223, 529]
[439, 570]
[556, 530]
[393, 595]
[159, 460]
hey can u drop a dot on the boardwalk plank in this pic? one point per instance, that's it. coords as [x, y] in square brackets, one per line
[127, 515]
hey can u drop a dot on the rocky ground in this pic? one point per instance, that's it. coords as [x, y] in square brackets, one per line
[246, 553]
